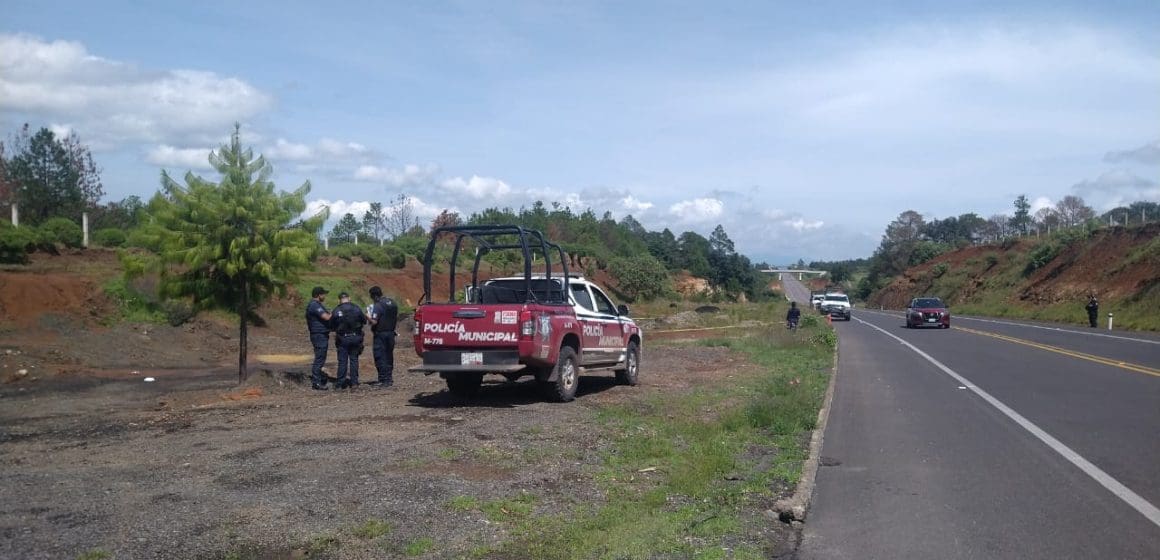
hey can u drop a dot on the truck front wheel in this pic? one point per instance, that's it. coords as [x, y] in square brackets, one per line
[567, 373]
[464, 384]
[628, 375]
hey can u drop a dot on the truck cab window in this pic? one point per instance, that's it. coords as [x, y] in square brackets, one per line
[581, 297]
[603, 304]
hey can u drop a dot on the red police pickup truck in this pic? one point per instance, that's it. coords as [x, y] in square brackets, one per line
[546, 324]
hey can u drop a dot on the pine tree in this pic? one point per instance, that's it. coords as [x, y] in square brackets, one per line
[235, 243]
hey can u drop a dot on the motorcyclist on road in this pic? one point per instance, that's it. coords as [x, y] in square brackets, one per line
[793, 315]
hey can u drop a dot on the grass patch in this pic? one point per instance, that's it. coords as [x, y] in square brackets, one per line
[419, 546]
[319, 545]
[509, 510]
[448, 454]
[133, 304]
[94, 554]
[372, 529]
[463, 503]
[682, 473]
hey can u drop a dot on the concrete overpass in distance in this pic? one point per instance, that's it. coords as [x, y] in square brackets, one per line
[800, 272]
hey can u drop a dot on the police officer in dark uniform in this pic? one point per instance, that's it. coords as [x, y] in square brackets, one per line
[1093, 310]
[384, 315]
[318, 326]
[348, 321]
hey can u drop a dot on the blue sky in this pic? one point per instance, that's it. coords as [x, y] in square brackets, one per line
[803, 129]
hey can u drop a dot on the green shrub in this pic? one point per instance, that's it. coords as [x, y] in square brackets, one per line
[16, 243]
[62, 230]
[109, 237]
[177, 312]
[939, 269]
[1040, 257]
[992, 260]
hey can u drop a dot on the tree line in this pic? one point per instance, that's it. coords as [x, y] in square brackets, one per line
[234, 242]
[911, 239]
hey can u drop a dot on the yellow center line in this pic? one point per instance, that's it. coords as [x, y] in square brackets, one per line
[1092, 358]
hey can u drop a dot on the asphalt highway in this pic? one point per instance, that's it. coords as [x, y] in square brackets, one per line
[993, 439]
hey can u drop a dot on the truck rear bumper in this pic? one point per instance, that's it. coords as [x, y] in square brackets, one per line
[466, 361]
[451, 368]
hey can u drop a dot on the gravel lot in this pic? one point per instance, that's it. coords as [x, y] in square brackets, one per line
[193, 466]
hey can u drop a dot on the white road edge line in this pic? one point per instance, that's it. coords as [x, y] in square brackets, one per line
[1014, 324]
[1149, 511]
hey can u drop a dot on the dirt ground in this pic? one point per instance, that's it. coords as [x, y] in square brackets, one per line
[191, 465]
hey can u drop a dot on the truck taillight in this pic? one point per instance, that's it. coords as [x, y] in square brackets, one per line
[418, 319]
[527, 326]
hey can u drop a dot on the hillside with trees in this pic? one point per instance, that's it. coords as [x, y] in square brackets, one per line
[1033, 265]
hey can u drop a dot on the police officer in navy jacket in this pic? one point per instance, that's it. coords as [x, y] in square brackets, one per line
[318, 326]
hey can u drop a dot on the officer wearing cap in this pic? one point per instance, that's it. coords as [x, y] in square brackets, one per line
[318, 326]
[384, 316]
[348, 321]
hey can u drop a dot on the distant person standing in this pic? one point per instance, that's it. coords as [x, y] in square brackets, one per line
[1093, 309]
[384, 316]
[348, 321]
[318, 326]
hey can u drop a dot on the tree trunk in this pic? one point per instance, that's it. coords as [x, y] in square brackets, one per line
[242, 316]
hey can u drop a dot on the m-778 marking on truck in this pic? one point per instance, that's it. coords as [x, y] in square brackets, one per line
[547, 324]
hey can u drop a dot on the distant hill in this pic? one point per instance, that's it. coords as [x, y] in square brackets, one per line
[1045, 278]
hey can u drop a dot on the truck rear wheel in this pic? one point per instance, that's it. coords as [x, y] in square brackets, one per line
[567, 373]
[464, 384]
[628, 375]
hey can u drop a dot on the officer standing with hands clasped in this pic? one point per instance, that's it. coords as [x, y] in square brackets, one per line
[384, 315]
[1093, 310]
[318, 326]
[348, 321]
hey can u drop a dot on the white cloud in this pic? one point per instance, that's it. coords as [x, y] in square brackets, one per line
[113, 101]
[1040, 203]
[477, 187]
[633, 204]
[289, 151]
[408, 175]
[421, 210]
[326, 150]
[187, 158]
[698, 210]
[1146, 154]
[800, 224]
[338, 208]
[336, 149]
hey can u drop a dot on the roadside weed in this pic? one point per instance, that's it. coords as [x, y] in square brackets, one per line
[373, 528]
[419, 546]
[94, 554]
[320, 544]
[681, 472]
[511, 509]
[463, 503]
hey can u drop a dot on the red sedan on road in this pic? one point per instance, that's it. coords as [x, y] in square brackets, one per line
[927, 312]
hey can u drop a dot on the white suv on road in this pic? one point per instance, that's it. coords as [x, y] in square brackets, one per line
[836, 305]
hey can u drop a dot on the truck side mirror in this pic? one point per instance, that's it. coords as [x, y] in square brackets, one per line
[470, 293]
[622, 310]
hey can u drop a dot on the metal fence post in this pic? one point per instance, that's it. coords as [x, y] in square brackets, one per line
[1109, 321]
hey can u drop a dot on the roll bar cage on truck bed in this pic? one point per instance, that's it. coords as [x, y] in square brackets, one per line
[489, 238]
[545, 323]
